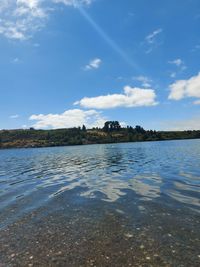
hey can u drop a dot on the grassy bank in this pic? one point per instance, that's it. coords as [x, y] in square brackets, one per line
[80, 136]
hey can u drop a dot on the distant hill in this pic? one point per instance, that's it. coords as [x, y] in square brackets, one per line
[112, 132]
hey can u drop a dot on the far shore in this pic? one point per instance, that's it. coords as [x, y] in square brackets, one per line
[32, 138]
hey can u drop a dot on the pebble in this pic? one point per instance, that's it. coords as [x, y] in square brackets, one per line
[148, 258]
[128, 235]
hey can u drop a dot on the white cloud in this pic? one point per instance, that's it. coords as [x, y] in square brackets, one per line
[19, 19]
[93, 64]
[151, 38]
[145, 81]
[132, 97]
[15, 116]
[186, 88]
[70, 118]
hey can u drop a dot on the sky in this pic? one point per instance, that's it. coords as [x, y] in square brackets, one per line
[65, 63]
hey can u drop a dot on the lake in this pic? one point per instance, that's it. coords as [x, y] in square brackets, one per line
[130, 204]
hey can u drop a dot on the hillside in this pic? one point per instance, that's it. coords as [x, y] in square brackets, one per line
[80, 136]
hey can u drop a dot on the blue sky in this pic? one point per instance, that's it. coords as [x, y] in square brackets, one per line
[66, 63]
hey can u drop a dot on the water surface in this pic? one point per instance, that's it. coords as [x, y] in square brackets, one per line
[133, 204]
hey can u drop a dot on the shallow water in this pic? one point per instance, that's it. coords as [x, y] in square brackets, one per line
[133, 204]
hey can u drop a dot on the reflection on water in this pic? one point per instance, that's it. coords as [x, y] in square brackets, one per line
[134, 204]
[147, 186]
[148, 169]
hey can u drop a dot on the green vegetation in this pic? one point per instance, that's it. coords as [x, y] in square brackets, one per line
[112, 132]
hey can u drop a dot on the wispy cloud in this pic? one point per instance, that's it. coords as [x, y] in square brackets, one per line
[15, 116]
[173, 74]
[93, 64]
[186, 88]
[178, 62]
[179, 65]
[132, 97]
[15, 60]
[152, 40]
[145, 81]
[21, 18]
[195, 48]
[74, 3]
[69, 118]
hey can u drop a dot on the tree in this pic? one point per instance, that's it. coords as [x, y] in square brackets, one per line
[130, 129]
[83, 128]
[139, 129]
[111, 126]
[106, 126]
[116, 125]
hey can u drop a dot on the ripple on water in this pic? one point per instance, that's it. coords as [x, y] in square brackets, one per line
[107, 172]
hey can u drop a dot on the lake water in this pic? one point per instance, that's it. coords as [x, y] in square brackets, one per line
[132, 204]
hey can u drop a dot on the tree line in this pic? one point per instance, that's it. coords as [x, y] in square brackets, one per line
[111, 132]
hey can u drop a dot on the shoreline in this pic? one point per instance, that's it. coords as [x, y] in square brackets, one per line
[91, 144]
[32, 138]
